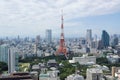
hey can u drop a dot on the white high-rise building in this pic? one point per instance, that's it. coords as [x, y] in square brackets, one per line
[89, 37]
[4, 53]
[49, 35]
[12, 60]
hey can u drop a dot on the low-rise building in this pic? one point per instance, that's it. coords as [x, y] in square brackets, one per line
[113, 58]
[84, 60]
[94, 74]
[18, 76]
[52, 63]
[35, 67]
[75, 77]
[50, 75]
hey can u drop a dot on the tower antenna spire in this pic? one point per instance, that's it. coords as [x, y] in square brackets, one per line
[62, 48]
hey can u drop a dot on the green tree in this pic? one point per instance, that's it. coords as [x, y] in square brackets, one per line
[3, 67]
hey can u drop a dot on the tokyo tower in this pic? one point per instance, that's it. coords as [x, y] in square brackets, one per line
[62, 48]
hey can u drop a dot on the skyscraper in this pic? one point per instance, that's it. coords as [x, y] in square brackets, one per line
[49, 35]
[12, 60]
[114, 40]
[4, 53]
[89, 37]
[37, 41]
[105, 39]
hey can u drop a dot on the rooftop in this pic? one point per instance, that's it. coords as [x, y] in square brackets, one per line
[95, 70]
[52, 61]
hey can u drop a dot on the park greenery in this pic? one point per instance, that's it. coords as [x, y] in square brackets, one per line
[104, 61]
[66, 68]
[23, 67]
[3, 67]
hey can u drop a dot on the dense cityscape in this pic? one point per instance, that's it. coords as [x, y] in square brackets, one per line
[87, 58]
[93, 56]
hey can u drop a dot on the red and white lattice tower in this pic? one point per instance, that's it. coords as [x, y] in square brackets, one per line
[62, 48]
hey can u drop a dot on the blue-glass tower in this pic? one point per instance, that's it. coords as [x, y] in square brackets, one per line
[105, 39]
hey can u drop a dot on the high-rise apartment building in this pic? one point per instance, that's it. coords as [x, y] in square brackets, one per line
[12, 60]
[4, 53]
[9, 56]
[49, 35]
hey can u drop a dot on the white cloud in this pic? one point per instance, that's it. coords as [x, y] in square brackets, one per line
[34, 16]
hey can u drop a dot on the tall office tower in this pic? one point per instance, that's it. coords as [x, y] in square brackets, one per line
[114, 40]
[12, 60]
[62, 48]
[89, 37]
[105, 39]
[35, 49]
[37, 41]
[37, 44]
[95, 42]
[4, 53]
[49, 35]
[18, 37]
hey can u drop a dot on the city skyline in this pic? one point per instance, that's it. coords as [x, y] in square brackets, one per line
[33, 17]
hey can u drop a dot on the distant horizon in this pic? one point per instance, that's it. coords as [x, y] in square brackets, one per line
[58, 36]
[33, 17]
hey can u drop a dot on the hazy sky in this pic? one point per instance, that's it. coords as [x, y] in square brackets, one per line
[33, 17]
